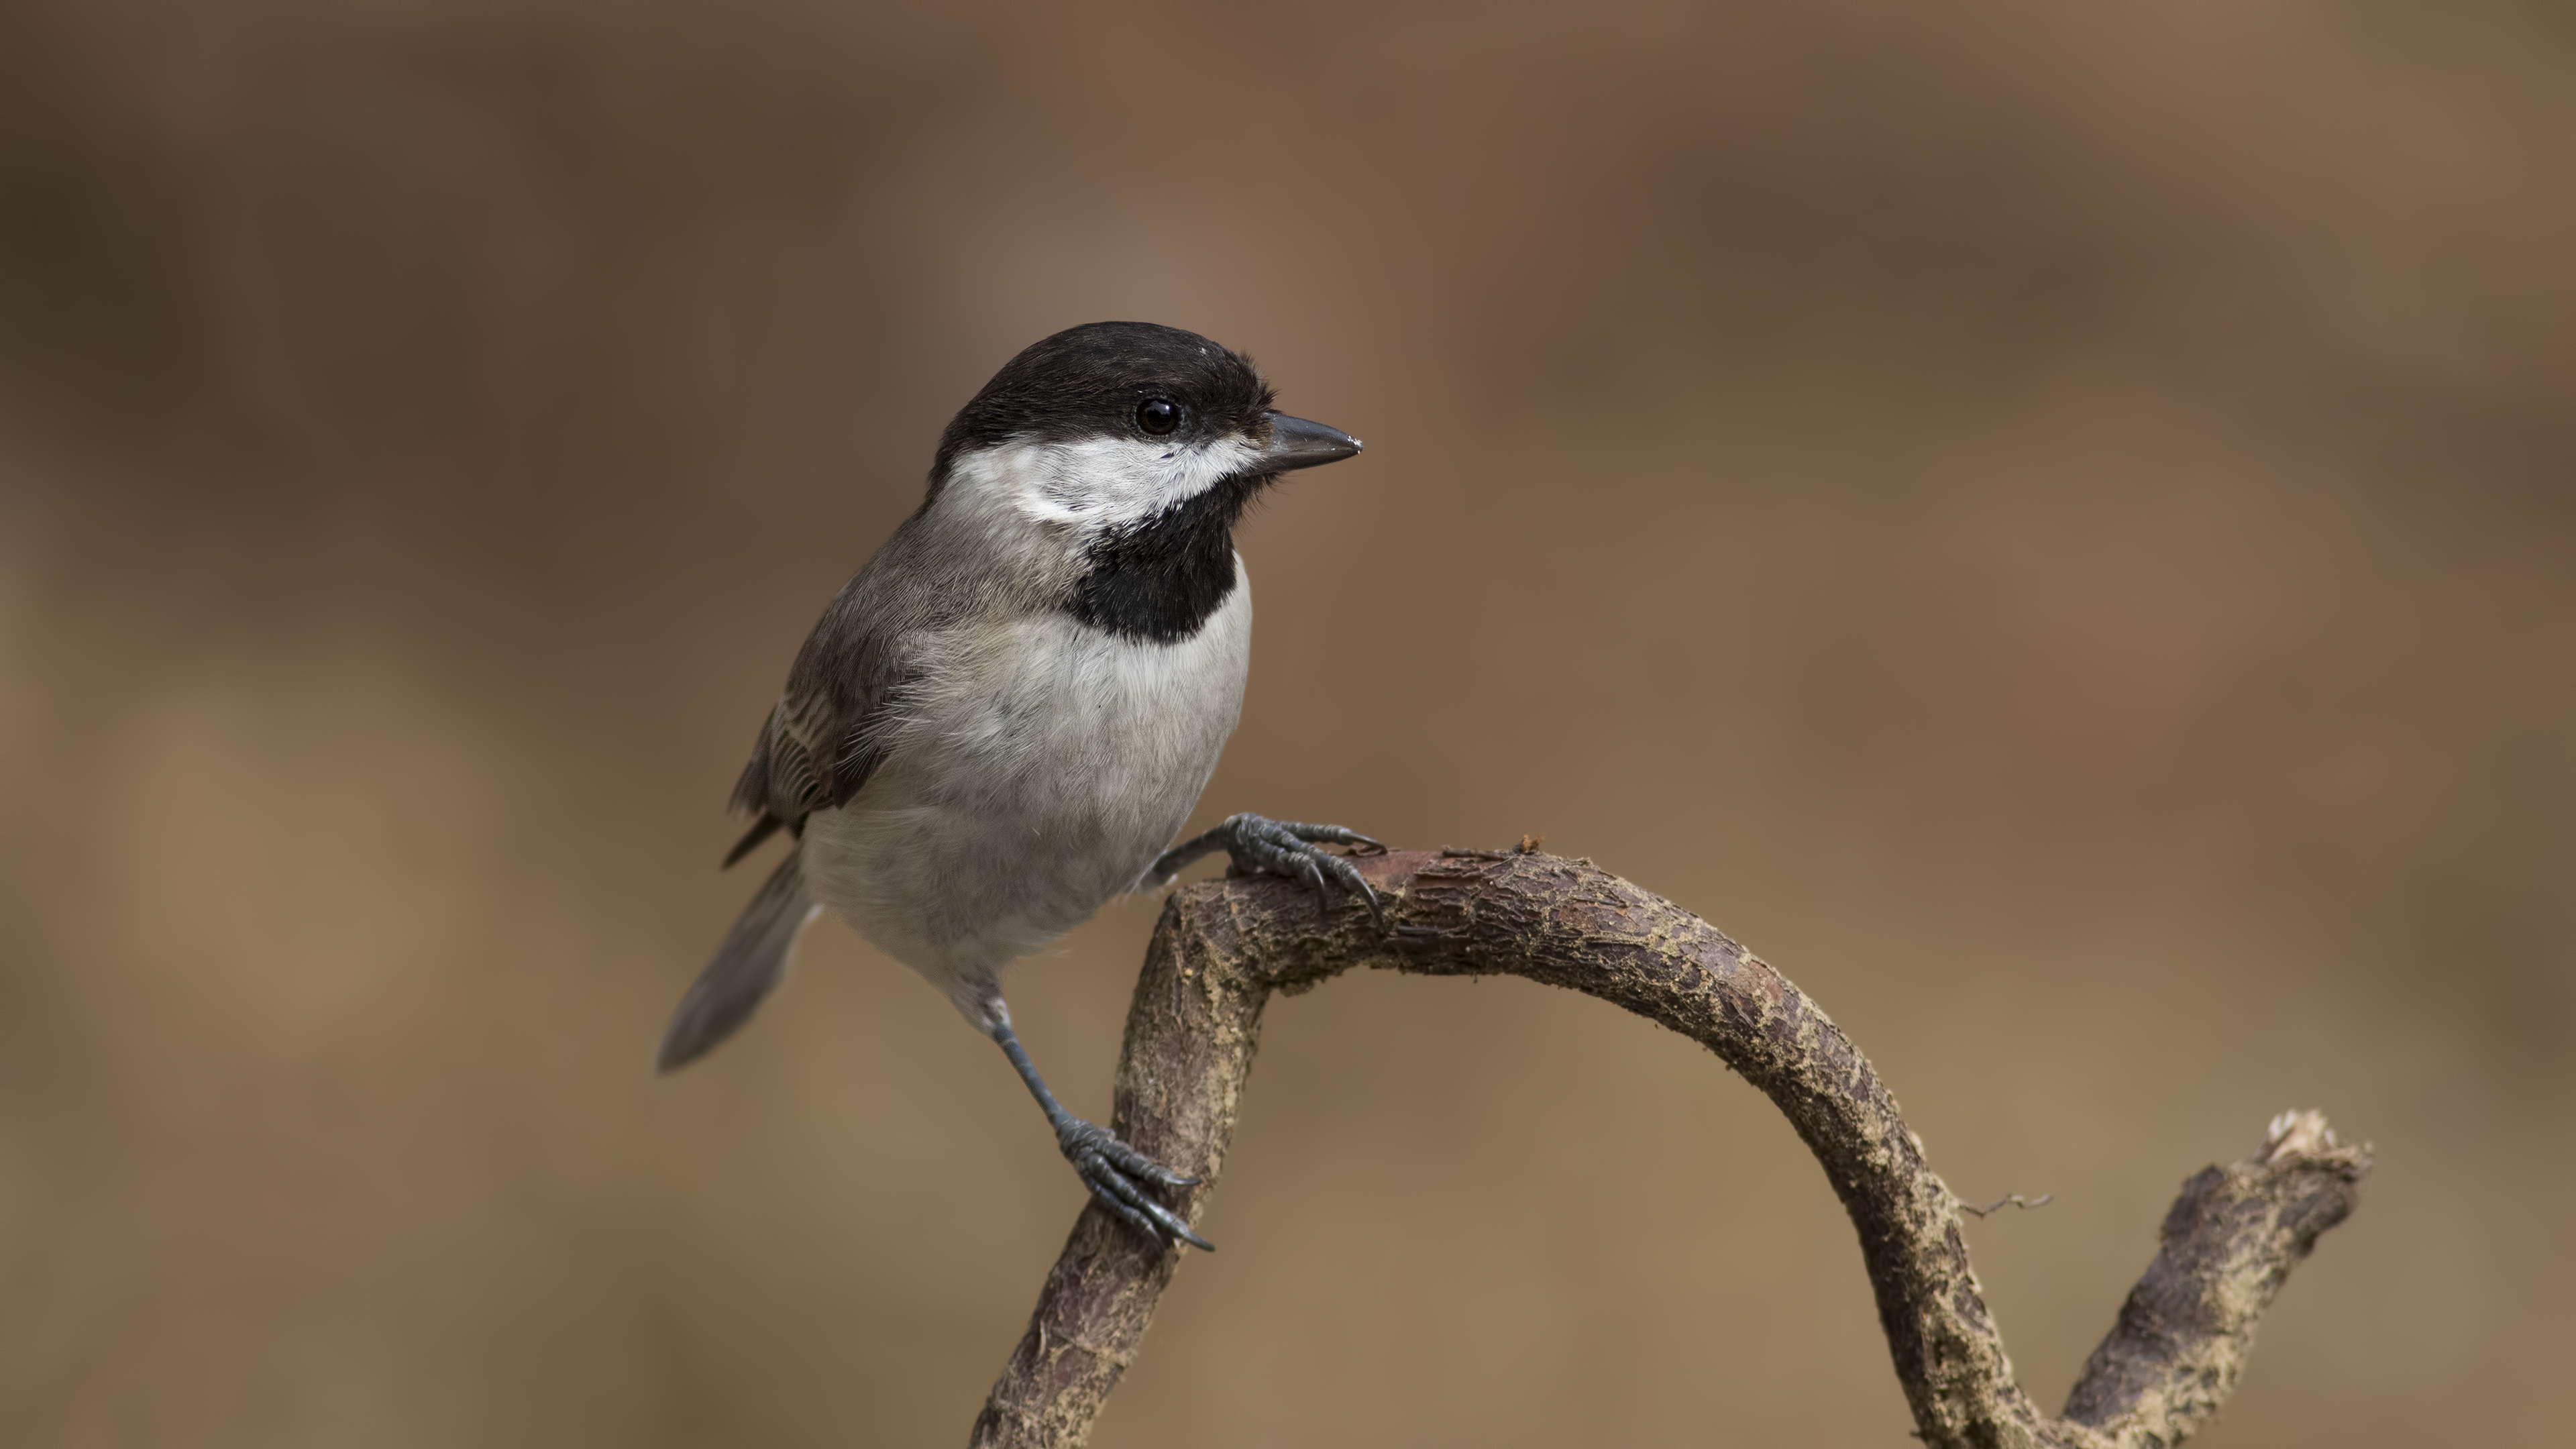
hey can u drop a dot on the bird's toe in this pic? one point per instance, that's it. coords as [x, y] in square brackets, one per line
[1116, 1172]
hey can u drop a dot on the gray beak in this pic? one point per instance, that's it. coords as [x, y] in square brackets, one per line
[1297, 443]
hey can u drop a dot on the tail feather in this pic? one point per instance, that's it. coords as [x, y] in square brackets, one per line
[746, 968]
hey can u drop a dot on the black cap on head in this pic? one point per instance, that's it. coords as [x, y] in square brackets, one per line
[1110, 379]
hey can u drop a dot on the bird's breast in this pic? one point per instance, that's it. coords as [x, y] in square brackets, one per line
[1065, 735]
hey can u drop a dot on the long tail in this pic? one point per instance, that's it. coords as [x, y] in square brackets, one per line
[747, 967]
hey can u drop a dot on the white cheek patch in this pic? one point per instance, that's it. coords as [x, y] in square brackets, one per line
[1099, 483]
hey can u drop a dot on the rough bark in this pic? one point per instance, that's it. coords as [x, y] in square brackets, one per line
[1223, 947]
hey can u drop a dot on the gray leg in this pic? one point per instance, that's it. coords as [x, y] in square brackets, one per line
[1279, 847]
[1109, 1167]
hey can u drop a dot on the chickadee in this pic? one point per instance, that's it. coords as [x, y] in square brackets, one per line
[1003, 719]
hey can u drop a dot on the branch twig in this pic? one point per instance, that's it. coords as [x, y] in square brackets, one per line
[1223, 947]
[2013, 1199]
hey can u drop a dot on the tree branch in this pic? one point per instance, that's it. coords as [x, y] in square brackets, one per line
[1223, 947]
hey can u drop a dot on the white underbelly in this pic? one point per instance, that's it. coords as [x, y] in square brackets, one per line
[1032, 789]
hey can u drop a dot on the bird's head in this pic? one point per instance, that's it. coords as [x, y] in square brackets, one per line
[1104, 429]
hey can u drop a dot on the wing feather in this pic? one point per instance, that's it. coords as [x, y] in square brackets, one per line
[837, 720]
[826, 734]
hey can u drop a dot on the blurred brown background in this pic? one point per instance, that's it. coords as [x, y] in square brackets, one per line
[2056, 524]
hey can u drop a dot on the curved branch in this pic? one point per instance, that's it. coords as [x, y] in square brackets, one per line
[1223, 947]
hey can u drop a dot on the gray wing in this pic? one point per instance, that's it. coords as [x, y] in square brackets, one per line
[827, 734]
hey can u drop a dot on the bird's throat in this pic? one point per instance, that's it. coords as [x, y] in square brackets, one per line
[1161, 580]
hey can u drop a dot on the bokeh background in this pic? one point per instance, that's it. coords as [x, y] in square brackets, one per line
[2054, 523]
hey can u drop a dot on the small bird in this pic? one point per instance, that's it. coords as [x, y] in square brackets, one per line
[1003, 719]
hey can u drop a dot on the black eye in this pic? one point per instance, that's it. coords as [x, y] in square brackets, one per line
[1158, 415]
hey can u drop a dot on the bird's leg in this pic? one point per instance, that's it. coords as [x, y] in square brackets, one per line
[1112, 1170]
[1259, 846]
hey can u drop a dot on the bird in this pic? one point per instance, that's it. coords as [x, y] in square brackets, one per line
[1005, 717]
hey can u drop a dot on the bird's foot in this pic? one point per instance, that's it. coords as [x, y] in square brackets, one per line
[1116, 1172]
[1260, 846]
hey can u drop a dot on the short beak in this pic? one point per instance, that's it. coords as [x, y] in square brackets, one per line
[1297, 443]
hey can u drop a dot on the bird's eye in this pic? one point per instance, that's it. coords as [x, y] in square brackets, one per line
[1158, 415]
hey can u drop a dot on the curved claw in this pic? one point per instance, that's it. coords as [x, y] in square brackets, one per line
[1108, 1166]
[1259, 846]
[1137, 1164]
[1315, 877]
[1129, 1202]
[1349, 878]
[1128, 1215]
